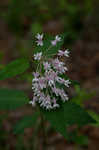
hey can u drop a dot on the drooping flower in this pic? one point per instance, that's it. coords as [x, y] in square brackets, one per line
[39, 39]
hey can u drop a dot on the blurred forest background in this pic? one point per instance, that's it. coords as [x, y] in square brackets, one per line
[20, 20]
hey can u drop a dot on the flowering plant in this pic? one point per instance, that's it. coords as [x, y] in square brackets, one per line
[48, 75]
[49, 84]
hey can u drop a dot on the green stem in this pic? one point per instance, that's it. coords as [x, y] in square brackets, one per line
[35, 136]
[44, 143]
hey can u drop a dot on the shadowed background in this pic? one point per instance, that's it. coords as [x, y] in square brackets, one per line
[20, 20]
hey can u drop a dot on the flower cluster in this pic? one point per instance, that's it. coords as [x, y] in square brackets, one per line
[48, 83]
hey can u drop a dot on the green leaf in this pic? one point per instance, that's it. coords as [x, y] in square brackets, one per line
[77, 138]
[74, 82]
[74, 114]
[26, 122]
[68, 114]
[47, 49]
[95, 117]
[12, 99]
[81, 96]
[3, 117]
[36, 28]
[81, 140]
[14, 68]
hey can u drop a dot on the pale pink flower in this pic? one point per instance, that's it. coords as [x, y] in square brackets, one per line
[39, 39]
[57, 39]
[62, 81]
[59, 79]
[42, 104]
[50, 75]
[67, 82]
[66, 53]
[63, 53]
[47, 66]
[60, 53]
[63, 95]
[42, 82]
[48, 102]
[56, 63]
[54, 42]
[38, 56]
[59, 66]
[50, 82]
[41, 97]
[55, 105]
[35, 74]
[56, 91]
[62, 69]
[33, 103]
[35, 79]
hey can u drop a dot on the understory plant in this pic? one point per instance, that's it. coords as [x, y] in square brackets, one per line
[50, 85]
